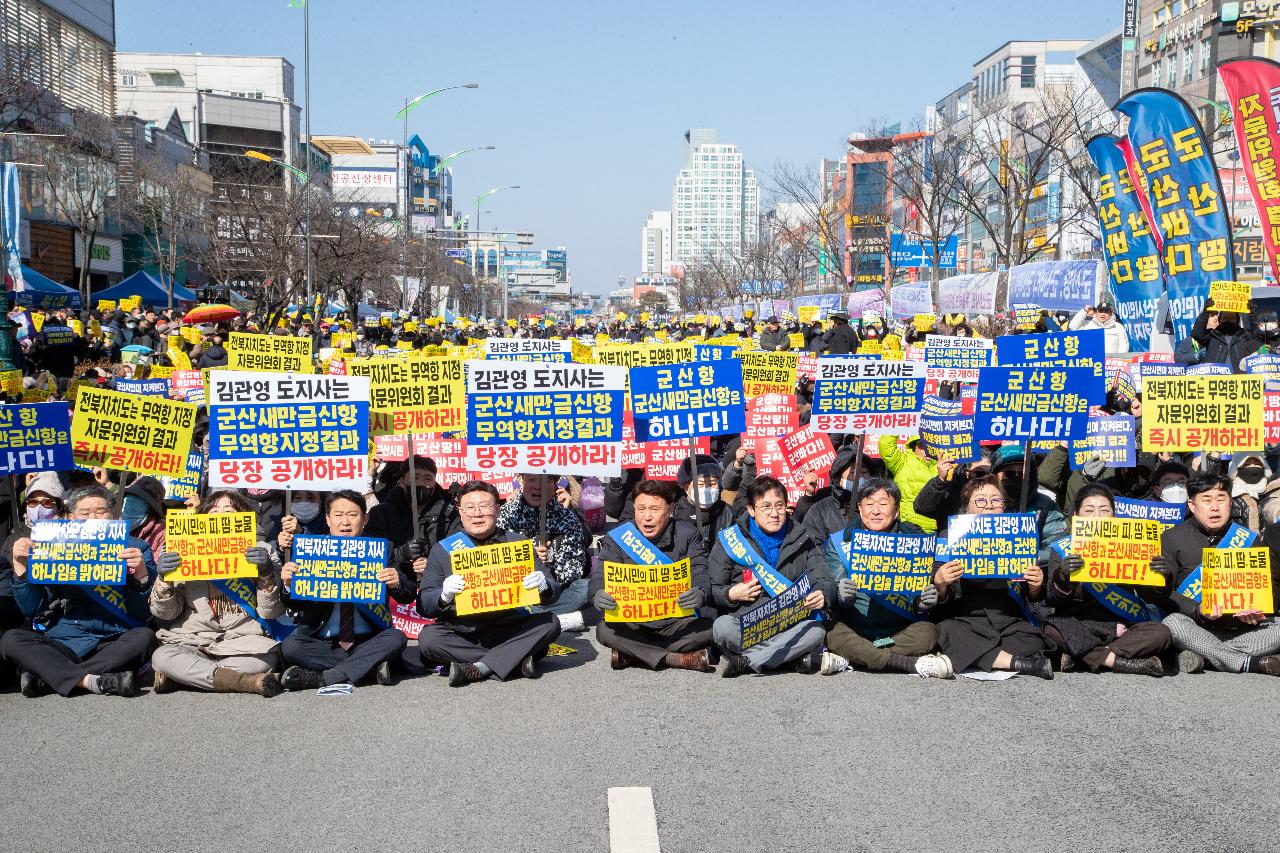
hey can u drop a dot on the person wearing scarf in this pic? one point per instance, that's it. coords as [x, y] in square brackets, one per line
[791, 552]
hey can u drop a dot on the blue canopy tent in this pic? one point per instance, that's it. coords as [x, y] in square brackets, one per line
[144, 284]
[43, 292]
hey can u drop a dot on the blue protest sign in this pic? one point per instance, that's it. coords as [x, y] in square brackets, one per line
[1056, 285]
[1110, 438]
[1152, 510]
[144, 387]
[687, 400]
[713, 352]
[1035, 403]
[35, 437]
[776, 614]
[950, 438]
[1087, 348]
[1262, 364]
[84, 552]
[993, 546]
[885, 564]
[188, 485]
[57, 336]
[338, 568]
[1209, 368]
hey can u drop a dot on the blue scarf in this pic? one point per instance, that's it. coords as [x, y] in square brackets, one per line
[770, 543]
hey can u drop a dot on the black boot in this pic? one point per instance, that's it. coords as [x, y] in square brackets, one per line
[1037, 665]
[1139, 666]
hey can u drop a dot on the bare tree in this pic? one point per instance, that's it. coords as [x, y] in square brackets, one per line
[168, 205]
[81, 175]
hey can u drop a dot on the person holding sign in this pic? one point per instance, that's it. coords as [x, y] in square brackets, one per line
[339, 642]
[534, 513]
[1225, 337]
[1247, 641]
[392, 518]
[680, 640]
[485, 632]
[871, 631]
[221, 634]
[90, 637]
[1104, 626]
[762, 555]
[987, 624]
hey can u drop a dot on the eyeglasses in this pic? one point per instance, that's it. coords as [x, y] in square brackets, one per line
[479, 509]
[771, 508]
[47, 503]
[988, 503]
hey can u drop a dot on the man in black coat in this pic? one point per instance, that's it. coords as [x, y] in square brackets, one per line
[840, 339]
[1226, 337]
[772, 338]
[679, 642]
[393, 518]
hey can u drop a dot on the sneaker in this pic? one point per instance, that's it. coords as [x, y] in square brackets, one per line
[383, 673]
[529, 667]
[734, 665]
[1268, 664]
[117, 684]
[571, 621]
[464, 673]
[31, 685]
[1139, 666]
[833, 663]
[162, 683]
[1037, 665]
[1190, 663]
[617, 660]
[297, 678]
[934, 666]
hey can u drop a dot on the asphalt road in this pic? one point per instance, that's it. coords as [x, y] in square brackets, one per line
[774, 763]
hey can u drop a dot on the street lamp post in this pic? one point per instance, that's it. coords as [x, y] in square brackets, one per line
[405, 220]
[476, 253]
[448, 157]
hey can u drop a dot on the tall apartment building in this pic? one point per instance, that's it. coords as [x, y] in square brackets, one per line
[715, 203]
[655, 243]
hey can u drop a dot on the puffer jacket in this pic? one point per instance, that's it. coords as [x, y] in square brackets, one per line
[677, 541]
[910, 472]
[800, 555]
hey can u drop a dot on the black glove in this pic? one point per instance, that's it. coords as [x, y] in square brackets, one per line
[1161, 566]
[415, 549]
[604, 601]
[259, 556]
[690, 599]
[1071, 564]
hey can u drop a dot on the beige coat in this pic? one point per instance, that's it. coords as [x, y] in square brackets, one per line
[197, 614]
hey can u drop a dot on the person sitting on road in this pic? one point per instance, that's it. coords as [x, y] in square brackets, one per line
[341, 642]
[656, 537]
[565, 554]
[763, 554]
[83, 639]
[865, 630]
[495, 644]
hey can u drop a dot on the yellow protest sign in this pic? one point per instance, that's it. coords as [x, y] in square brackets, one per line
[130, 302]
[269, 353]
[1231, 296]
[582, 353]
[621, 316]
[411, 326]
[1116, 550]
[105, 305]
[643, 355]
[513, 324]
[404, 345]
[768, 373]
[870, 348]
[11, 380]
[413, 395]
[1237, 580]
[661, 334]
[644, 316]
[76, 326]
[212, 545]
[190, 334]
[179, 359]
[341, 340]
[494, 576]
[37, 320]
[35, 395]
[130, 432]
[808, 313]
[646, 593]
[796, 339]
[1197, 413]
[923, 322]
[161, 372]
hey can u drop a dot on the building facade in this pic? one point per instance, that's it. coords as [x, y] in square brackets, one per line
[715, 203]
[655, 243]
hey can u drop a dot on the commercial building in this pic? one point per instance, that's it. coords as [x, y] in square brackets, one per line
[368, 179]
[715, 202]
[655, 243]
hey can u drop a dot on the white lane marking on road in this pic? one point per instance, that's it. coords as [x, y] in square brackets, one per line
[633, 824]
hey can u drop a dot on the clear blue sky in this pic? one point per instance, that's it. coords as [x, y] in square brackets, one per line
[587, 101]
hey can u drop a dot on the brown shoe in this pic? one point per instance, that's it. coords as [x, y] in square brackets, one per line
[163, 684]
[699, 661]
[617, 660]
[226, 680]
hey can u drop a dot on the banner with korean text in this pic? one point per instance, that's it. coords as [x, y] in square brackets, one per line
[145, 435]
[339, 568]
[413, 395]
[687, 400]
[494, 577]
[647, 593]
[1196, 413]
[856, 395]
[85, 552]
[35, 437]
[212, 545]
[1116, 550]
[269, 353]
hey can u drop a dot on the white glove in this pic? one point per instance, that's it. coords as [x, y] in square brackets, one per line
[453, 585]
[535, 580]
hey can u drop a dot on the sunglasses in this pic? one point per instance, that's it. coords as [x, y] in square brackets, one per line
[47, 503]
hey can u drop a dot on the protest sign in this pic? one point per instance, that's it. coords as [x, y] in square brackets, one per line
[338, 568]
[768, 373]
[272, 430]
[1143, 370]
[1194, 413]
[646, 593]
[687, 400]
[212, 545]
[808, 451]
[413, 395]
[956, 359]
[1001, 545]
[860, 302]
[187, 484]
[145, 435]
[545, 418]
[269, 353]
[129, 303]
[144, 387]
[528, 349]
[662, 459]
[57, 335]
[1109, 438]
[950, 438]
[1166, 514]
[1034, 403]
[865, 395]
[910, 300]
[1236, 580]
[1055, 349]
[1116, 550]
[1057, 285]
[35, 437]
[886, 564]
[808, 313]
[185, 381]
[494, 575]
[770, 415]
[771, 461]
[1231, 296]
[11, 382]
[968, 294]
[714, 352]
[643, 355]
[85, 552]
[775, 615]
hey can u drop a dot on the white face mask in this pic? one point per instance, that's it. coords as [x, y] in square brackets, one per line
[1174, 494]
[707, 495]
[306, 511]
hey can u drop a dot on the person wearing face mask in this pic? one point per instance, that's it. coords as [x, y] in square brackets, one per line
[703, 503]
[656, 537]
[1225, 337]
[1229, 642]
[739, 470]
[364, 345]
[392, 518]
[1169, 483]
[143, 507]
[830, 513]
[42, 502]
[304, 516]
[1249, 474]
[866, 630]
[911, 469]
[1051, 525]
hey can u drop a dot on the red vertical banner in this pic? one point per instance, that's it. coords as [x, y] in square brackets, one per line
[1253, 93]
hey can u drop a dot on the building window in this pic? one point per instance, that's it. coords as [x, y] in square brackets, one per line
[1177, 8]
[128, 79]
[1188, 64]
[1173, 69]
[1205, 48]
[1155, 73]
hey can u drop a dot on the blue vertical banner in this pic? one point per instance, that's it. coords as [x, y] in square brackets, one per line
[1133, 258]
[13, 280]
[1187, 206]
